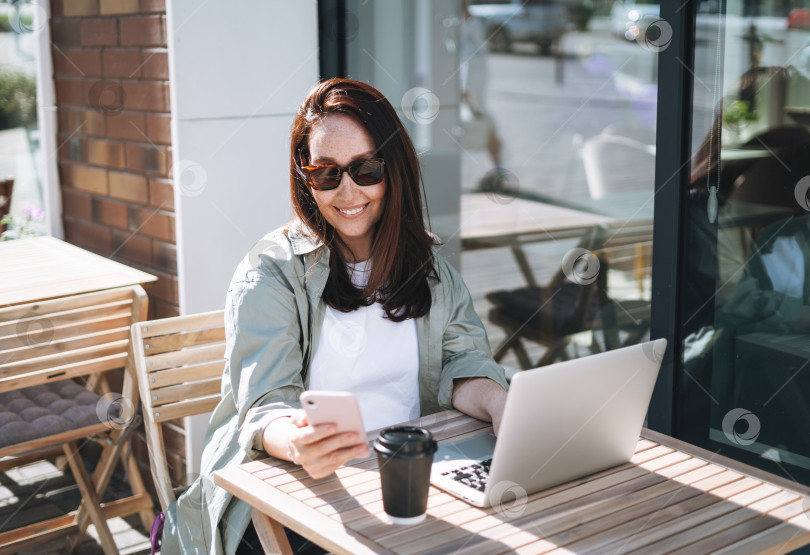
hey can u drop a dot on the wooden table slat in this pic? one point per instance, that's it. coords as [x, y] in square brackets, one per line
[644, 444]
[735, 488]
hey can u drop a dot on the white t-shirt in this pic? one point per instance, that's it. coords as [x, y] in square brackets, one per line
[374, 358]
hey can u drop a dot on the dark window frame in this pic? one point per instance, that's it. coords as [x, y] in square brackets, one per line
[672, 167]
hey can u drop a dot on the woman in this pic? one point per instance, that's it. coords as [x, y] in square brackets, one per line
[356, 261]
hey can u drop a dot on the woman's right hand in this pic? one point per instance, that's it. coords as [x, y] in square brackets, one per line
[318, 449]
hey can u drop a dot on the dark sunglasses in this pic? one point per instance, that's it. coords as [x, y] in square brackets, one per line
[327, 176]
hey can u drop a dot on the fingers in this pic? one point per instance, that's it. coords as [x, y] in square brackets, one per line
[323, 447]
[320, 451]
[326, 465]
[313, 434]
[299, 418]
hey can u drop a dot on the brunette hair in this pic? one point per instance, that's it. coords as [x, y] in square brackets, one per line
[401, 247]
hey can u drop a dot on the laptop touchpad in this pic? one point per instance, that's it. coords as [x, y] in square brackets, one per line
[472, 448]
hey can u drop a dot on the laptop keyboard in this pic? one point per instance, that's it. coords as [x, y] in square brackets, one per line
[474, 475]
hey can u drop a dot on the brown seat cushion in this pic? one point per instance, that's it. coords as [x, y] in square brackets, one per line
[44, 410]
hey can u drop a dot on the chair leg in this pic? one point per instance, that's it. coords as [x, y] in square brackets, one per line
[513, 342]
[101, 478]
[271, 534]
[90, 498]
[522, 354]
[552, 353]
[500, 351]
[138, 488]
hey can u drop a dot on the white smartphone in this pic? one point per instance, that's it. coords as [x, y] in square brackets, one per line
[334, 407]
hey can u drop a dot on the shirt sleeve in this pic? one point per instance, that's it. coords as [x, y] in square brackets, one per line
[465, 347]
[263, 350]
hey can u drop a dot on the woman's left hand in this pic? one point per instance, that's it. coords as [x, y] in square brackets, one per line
[481, 398]
[496, 410]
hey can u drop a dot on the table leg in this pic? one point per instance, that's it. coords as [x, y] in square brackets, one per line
[523, 264]
[271, 534]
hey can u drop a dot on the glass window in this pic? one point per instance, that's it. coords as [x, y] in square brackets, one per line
[746, 286]
[536, 123]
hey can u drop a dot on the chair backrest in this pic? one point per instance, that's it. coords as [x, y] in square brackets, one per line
[48, 342]
[627, 247]
[617, 164]
[179, 363]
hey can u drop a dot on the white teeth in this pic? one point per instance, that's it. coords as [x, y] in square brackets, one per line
[353, 211]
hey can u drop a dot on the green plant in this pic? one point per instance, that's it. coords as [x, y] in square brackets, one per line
[5, 24]
[738, 113]
[18, 99]
[20, 228]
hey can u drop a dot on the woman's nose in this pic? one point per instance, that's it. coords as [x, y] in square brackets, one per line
[346, 187]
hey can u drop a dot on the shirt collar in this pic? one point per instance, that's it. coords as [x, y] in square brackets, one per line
[302, 239]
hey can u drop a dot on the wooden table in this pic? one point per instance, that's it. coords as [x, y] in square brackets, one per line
[671, 496]
[44, 268]
[490, 221]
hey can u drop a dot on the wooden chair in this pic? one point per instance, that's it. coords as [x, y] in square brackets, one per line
[55, 357]
[624, 320]
[179, 363]
[552, 314]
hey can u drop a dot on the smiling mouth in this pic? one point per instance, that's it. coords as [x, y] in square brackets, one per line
[353, 211]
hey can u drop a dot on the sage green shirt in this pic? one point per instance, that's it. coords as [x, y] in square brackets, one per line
[273, 316]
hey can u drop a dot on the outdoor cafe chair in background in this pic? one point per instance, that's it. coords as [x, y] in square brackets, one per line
[55, 395]
[624, 320]
[548, 314]
[551, 315]
[179, 363]
[617, 161]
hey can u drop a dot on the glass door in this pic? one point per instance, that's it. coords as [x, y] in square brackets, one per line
[744, 378]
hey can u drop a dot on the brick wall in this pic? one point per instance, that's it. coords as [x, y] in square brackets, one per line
[112, 88]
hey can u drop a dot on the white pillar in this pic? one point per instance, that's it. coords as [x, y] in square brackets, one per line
[237, 73]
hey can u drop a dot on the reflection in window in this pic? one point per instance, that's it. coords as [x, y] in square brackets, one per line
[557, 134]
[747, 290]
[535, 123]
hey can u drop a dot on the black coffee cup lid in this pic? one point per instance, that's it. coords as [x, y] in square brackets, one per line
[406, 441]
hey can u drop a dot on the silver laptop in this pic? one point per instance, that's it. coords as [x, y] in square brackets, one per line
[561, 422]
